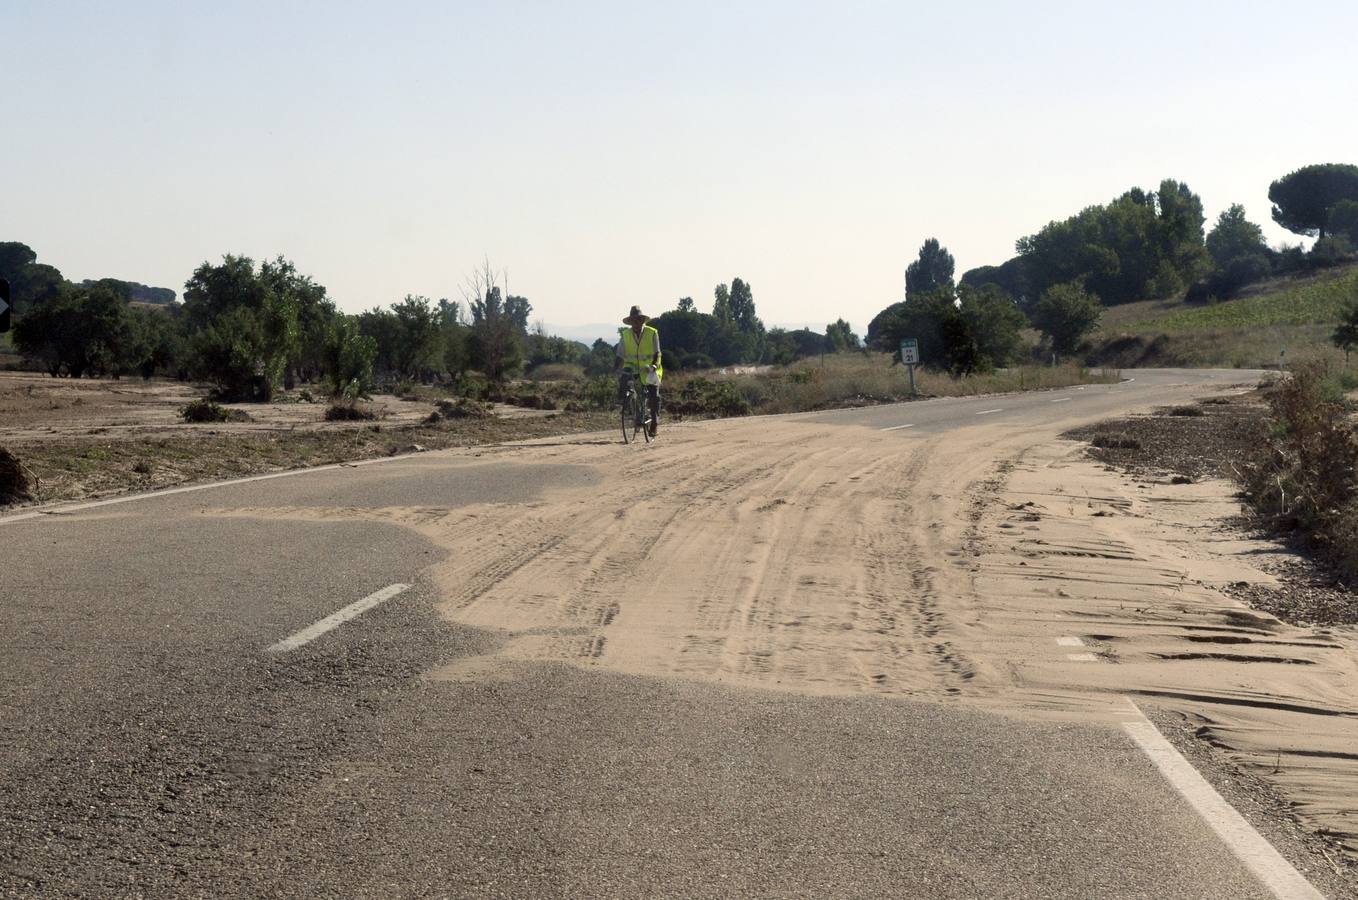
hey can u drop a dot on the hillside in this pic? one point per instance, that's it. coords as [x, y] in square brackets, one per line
[1282, 318]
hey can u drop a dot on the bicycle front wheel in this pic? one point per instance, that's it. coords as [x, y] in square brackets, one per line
[629, 418]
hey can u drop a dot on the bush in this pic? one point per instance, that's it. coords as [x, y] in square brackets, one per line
[699, 396]
[601, 392]
[1186, 411]
[210, 411]
[1302, 476]
[347, 412]
[14, 481]
[1116, 442]
[460, 409]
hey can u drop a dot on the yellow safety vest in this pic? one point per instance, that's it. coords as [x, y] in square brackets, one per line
[637, 352]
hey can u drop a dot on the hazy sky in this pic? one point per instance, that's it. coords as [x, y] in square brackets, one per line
[607, 154]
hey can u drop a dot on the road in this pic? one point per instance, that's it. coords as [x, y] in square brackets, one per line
[728, 663]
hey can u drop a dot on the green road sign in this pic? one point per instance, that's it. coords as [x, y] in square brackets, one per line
[910, 351]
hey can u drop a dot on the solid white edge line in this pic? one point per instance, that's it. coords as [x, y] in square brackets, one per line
[357, 608]
[1249, 846]
[190, 488]
[899, 427]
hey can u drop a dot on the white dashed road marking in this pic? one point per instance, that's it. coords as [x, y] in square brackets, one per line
[333, 620]
[1060, 399]
[989, 411]
[1258, 855]
[899, 427]
[1070, 642]
[1082, 657]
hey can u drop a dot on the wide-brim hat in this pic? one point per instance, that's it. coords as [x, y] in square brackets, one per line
[636, 317]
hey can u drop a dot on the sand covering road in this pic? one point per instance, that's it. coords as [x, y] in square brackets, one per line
[777, 553]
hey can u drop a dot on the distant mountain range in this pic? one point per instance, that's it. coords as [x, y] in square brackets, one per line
[586, 334]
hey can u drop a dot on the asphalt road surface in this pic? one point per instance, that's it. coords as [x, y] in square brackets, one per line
[153, 744]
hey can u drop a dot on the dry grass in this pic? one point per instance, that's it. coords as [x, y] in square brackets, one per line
[1296, 315]
[857, 379]
[1303, 474]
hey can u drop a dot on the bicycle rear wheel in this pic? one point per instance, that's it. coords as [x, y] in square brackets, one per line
[629, 418]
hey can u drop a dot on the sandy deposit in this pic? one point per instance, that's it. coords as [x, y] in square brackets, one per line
[992, 565]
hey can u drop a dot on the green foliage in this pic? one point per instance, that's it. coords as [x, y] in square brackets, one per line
[1011, 278]
[1140, 245]
[207, 411]
[348, 412]
[601, 357]
[732, 334]
[246, 323]
[416, 346]
[31, 283]
[994, 324]
[348, 359]
[497, 334]
[1343, 221]
[933, 270]
[1331, 250]
[701, 396]
[976, 330]
[1311, 302]
[840, 337]
[544, 349]
[1345, 335]
[86, 331]
[1304, 475]
[1065, 314]
[601, 392]
[1302, 200]
[140, 293]
[1234, 236]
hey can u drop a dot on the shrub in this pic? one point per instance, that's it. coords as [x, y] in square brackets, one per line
[699, 396]
[14, 481]
[1302, 476]
[601, 392]
[210, 411]
[1186, 411]
[460, 409]
[347, 412]
[1116, 442]
[349, 356]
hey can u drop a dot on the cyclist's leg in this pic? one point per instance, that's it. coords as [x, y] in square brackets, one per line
[653, 402]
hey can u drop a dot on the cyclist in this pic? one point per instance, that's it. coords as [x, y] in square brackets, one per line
[638, 352]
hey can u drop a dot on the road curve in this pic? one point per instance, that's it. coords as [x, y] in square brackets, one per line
[724, 663]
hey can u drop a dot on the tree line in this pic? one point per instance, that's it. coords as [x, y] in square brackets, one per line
[251, 329]
[1141, 245]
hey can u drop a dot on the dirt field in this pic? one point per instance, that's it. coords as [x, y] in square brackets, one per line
[88, 437]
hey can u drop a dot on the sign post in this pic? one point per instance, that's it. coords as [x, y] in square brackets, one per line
[910, 356]
[4, 306]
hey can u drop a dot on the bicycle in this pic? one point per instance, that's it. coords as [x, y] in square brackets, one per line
[636, 415]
